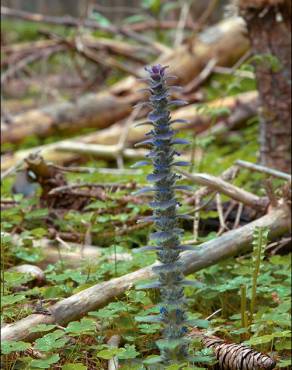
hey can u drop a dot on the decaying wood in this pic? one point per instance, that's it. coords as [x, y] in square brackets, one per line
[103, 109]
[224, 187]
[269, 28]
[229, 244]
[241, 107]
[263, 169]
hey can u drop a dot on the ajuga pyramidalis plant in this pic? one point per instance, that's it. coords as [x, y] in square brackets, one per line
[173, 345]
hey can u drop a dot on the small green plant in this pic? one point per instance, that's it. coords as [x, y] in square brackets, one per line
[260, 239]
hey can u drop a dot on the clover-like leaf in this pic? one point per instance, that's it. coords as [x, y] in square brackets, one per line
[8, 347]
[45, 363]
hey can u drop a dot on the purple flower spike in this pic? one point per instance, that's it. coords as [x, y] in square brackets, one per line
[156, 69]
[167, 235]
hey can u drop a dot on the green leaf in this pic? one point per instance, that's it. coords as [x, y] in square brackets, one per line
[8, 347]
[174, 367]
[285, 363]
[98, 204]
[14, 278]
[149, 328]
[260, 340]
[76, 366]
[7, 300]
[108, 354]
[51, 341]
[100, 19]
[45, 363]
[128, 352]
[36, 214]
[151, 360]
[135, 18]
[200, 323]
[80, 327]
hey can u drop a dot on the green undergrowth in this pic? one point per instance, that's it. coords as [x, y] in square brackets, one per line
[82, 344]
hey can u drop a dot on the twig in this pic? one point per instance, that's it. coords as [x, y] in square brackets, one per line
[229, 209]
[232, 191]
[181, 23]
[274, 248]
[207, 13]
[202, 206]
[205, 73]
[161, 25]
[242, 59]
[66, 188]
[263, 169]
[231, 71]
[227, 175]
[238, 215]
[213, 314]
[223, 226]
[196, 218]
[114, 341]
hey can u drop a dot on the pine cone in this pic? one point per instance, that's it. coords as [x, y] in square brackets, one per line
[238, 356]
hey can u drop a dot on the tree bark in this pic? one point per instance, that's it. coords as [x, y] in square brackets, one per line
[225, 42]
[269, 28]
[228, 245]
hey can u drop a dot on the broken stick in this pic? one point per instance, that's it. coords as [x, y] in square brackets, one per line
[230, 190]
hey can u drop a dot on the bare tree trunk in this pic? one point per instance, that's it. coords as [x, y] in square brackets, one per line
[269, 27]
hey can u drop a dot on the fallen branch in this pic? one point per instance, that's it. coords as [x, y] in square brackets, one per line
[230, 244]
[103, 151]
[227, 175]
[224, 187]
[102, 109]
[264, 169]
[246, 103]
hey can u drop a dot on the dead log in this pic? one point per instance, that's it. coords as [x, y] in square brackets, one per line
[224, 187]
[269, 28]
[242, 107]
[103, 109]
[228, 245]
